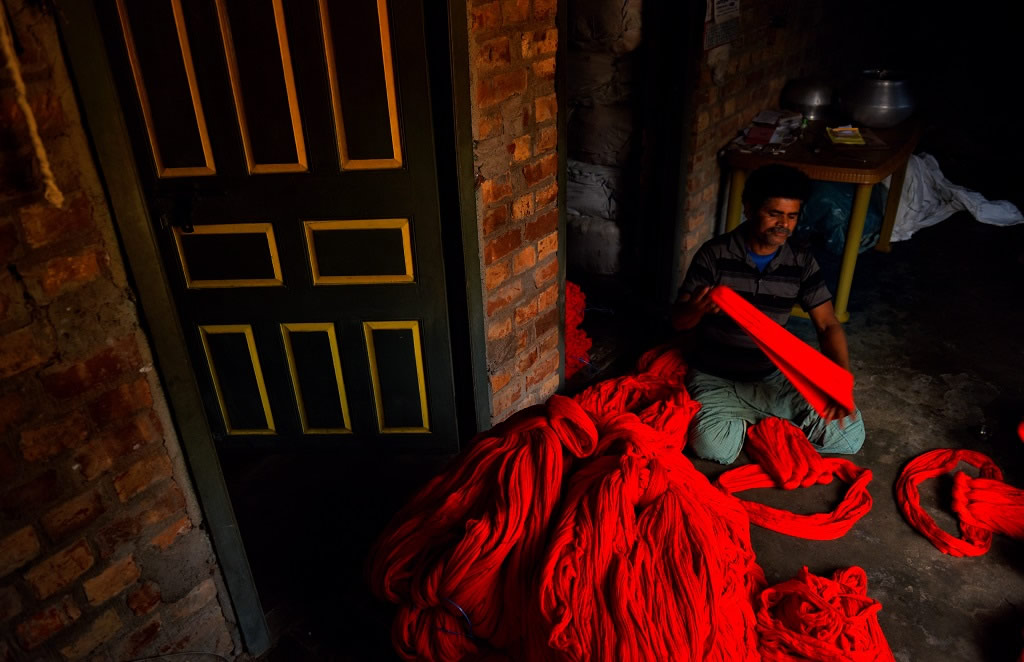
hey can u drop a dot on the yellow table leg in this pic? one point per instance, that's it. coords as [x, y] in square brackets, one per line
[892, 206]
[733, 214]
[851, 249]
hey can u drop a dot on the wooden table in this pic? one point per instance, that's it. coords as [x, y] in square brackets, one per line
[886, 153]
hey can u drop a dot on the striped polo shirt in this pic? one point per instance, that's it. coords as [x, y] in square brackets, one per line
[723, 348]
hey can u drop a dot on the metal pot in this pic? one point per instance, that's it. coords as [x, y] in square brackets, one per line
[878, 99]
[809, 96]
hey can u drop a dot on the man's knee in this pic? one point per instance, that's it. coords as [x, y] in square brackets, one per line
[717, 438]
[845, 440]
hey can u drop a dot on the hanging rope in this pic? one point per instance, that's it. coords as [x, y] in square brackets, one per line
[820, 619]
[51, 191]
[976, 540]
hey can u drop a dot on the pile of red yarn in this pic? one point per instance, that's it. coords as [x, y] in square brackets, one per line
[577, 342]
[578, 530]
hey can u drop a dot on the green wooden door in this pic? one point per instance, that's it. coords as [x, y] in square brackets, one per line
[291, 171]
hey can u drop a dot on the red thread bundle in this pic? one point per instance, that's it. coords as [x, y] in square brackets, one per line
[577, 342]
[990, 504]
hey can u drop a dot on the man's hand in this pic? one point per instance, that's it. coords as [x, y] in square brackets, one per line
[836, 412]
[692, 307]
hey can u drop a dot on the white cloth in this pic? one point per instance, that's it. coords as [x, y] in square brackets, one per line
[928, 198]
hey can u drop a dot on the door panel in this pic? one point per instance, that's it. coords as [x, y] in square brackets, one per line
[292, 171]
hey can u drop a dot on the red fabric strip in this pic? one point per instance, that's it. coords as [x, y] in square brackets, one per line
[815, 376]
[976, 540]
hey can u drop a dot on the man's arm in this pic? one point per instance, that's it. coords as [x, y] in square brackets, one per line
[691, 308]
[832, 340]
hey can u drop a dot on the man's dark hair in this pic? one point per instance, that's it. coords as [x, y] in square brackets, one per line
[775, 181]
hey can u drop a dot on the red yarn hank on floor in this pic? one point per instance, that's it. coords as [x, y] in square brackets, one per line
[783, 451]
[976, 540]
[987, 503]
[812, 374]
[820, 526]
[821, 620]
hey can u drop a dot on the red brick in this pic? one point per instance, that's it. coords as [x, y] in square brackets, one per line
[495, 189]
[520, 148]
[44, 442]
[10, 603]
[46, 111]
[25, 348]
[504, 402]
[17, 549]
[166, 538]
[73, 515]
[193, 603]
[67, 381]
[493, 53]
[495, 220]
[548, 298]
[44, 624]
[547, 139]
[542, 42]
[515, 11]
[499, 329]
[547, 245]
[540, 170]
[167, 502]
[44, 224]
[544, 369]
[524, 259]
[101, 454]
[522, 339]
[485, 17]
[487, 126]
[497, 274]
[99, 631]
[499, 381]
[526, 361]
[545, 273]
[58, 571]
[545, 108]
[12, 411]
[544, 9]
[498, 248]
[523, 206]
[526, 312]
[144, 599]
[66, 273]
[495, 89]
[116, 578]
[121, 402]
[544, 69]
[545, 224]
[141, 475]
[8, 242]
[505, 296]
[549, 387]
[547, 321]
[135, 644]
[548, 343]
[36, 492]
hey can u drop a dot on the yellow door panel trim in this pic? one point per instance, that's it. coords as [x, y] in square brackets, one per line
[371, 352]
[246, 330]
[389, 83]
[266, 229]
[311, 227]
[208, 167]
[300, 164]
[323, 327]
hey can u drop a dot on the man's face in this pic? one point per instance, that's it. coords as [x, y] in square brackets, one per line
[775, 221]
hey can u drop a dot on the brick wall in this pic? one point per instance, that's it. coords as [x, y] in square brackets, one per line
[512, 78]
[778, 40]
[102, 551]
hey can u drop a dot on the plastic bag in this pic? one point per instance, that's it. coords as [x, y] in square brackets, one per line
[826, 216]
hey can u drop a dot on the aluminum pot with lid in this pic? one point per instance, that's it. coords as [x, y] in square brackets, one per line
[878, 99]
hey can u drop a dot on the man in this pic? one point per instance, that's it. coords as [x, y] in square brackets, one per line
[736, 384]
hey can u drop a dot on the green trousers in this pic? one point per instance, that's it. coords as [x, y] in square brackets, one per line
[719, 429]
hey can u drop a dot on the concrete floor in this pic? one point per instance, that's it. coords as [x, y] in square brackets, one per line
[937, 348]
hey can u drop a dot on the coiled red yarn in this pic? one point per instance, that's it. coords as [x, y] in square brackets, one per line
[820, 619]
[783, 451]
[976, 540]
[987, 503]
[577, 342]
